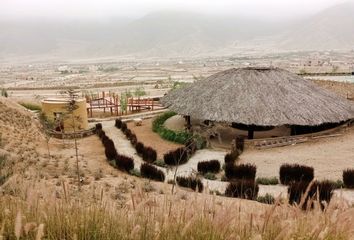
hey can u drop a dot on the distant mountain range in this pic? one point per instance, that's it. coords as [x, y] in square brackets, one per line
[170, 34]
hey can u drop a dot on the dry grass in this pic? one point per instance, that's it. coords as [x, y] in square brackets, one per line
[151, 216]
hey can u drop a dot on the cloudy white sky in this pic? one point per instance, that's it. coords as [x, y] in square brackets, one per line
[103, 9]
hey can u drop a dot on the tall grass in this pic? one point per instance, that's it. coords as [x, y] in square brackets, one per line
[149, 216]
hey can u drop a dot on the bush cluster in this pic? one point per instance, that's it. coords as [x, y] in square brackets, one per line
[241, 172]
[267, 181]
[139, 147]
[240, 143]
[190, 182]
[231, 157]
[149, 154]
[246, 189]
[297, 190]
[176, 157]
[181, 137]
[151, 172]
[348, 178]
[122, 162]
[98, 127]
[118, 123]
[212, 166]
[124, 127]
[295, 173]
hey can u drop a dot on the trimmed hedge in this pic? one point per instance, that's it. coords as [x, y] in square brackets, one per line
[139, 147]
[124, 127]
[297, 190]
[231, 157]
[118, 123]
[190, 182]
[295, 173]
[245, 189]
[98, 127]
[110, 149]
[133, 139]
[240, 172]
[176, 157]
[149, 154]
[212, 166]
[240, 143]
[348, 178]
[152, 172]
[167, 134]
[124, 163]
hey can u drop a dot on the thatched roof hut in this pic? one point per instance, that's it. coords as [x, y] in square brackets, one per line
[259, 96]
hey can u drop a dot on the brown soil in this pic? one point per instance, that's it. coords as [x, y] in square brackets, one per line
[145, 134]
[341, 88]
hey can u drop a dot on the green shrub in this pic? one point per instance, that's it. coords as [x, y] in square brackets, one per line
[160, 163]
[267, 199]
[135, 172]
[268, 181]
[181, 137]
[31, 106]
[210, 176]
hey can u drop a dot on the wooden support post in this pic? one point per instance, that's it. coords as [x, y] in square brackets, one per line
[250, 133]
[189, 125]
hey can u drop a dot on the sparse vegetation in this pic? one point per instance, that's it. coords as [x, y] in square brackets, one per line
[267, 181]
[267, 199]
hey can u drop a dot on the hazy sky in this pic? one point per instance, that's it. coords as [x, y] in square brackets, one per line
[105, 9]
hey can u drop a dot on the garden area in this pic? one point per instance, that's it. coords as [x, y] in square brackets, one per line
[154, 155]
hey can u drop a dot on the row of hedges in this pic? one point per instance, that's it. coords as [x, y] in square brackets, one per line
[190, 182]
[122, 162]
[148, 154]
[181, 137]
[302, 189]
[246, 189]
[151, 172]
[180, 155]
[176, 157]
[212, 166]
[240, 172]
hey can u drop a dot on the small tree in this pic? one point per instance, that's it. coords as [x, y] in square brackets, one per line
[139, 92]
[47, 127]
[71, 106]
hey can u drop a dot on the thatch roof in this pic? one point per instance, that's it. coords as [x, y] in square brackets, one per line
[259, 96]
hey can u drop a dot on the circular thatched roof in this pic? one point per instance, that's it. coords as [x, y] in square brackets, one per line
[259, 96]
